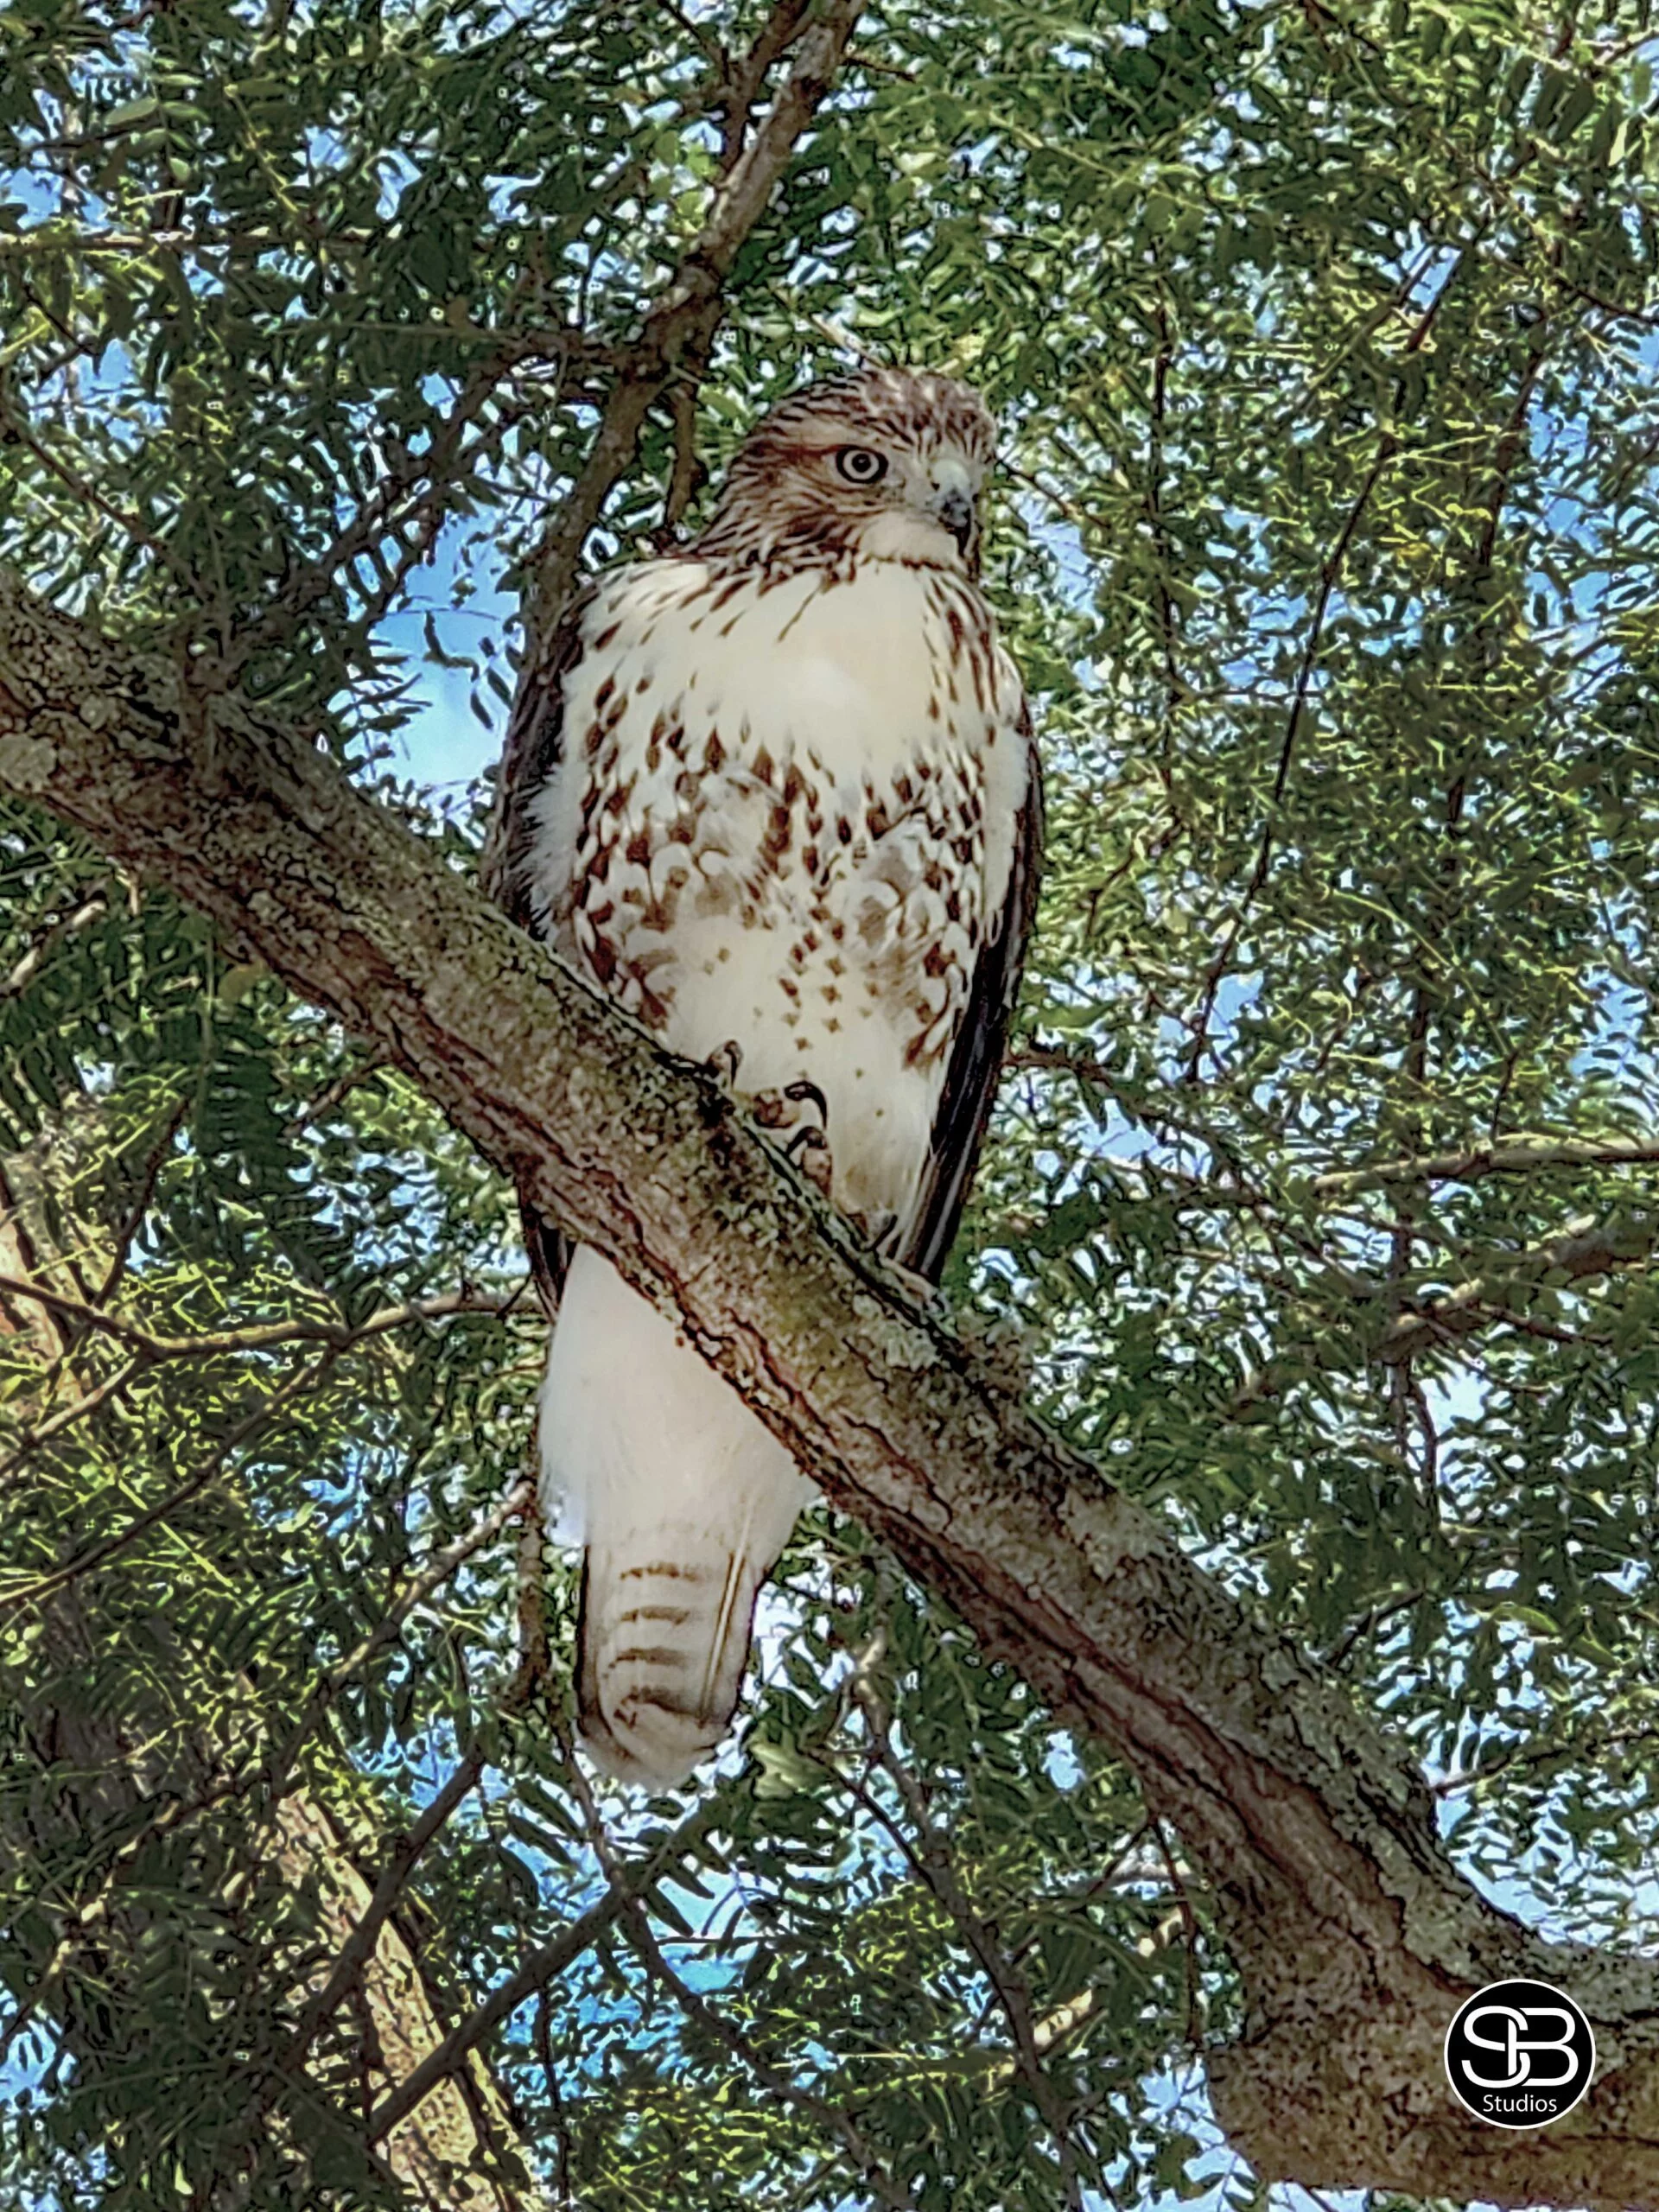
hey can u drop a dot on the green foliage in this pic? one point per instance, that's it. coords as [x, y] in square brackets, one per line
[1322, 339]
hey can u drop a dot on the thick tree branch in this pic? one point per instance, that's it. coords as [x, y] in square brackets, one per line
[1355, 1936]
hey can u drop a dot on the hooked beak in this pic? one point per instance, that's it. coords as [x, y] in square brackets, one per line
[951, 504]
[954, 507]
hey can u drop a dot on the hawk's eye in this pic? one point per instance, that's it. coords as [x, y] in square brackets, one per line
[860, 466]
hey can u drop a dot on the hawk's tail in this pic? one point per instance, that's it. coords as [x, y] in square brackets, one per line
[684, 1502]
[664, 1643]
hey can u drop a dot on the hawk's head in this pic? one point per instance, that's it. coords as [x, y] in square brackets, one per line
[884, 464]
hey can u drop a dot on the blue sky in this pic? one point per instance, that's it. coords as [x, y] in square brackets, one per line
[444, 745]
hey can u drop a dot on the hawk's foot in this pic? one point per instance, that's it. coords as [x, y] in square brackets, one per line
[809, 1150]
[788, 1113]
[782, 1109]
[724, 1062]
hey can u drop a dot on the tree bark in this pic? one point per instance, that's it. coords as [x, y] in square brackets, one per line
[1355, 1935]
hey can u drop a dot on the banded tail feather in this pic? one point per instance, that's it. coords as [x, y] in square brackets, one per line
[662, 1650]
[683, 1503]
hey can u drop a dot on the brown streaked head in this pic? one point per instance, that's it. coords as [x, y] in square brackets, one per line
[883, 464]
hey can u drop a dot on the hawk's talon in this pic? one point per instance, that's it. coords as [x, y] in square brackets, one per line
[724, 1062]
[783, 1113]
[801, 1090]
[780, 1109]
[809, 1150]
[880, 1232]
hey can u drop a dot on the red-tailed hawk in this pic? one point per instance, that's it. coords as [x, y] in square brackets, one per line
[777, 794]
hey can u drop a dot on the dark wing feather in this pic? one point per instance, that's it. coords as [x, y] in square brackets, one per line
[970, 1080]
[534, 748]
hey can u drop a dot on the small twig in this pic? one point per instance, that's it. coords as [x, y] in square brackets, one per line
[543, 1967]
[1388, 446]
[426, 481]
[98, 1555]
[858, 58]
[43, 241]
[1175, 688]
[436, 1572]
[844, 340]
[89, 909]
[266, 1335]
[131, 526]
[1519, 1153]
[67, 1416]
[1583, 1251]
[1372, 1617]
[336, 1092]
[360, 1945]
[710, 49]
[931, 1858]
[687, 473]
[724, 2031]
[1119, 1867]
[160, 1145]
[1190, 1931]
[87, 1917]
[1533, 1753]
[1515, 1155]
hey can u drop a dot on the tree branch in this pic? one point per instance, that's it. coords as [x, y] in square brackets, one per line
[96, 1787]
[685, 318]
[1354, 1935]
[542, 1966]
[1387, 446]
[518, 1501]
[676, 336]
[296, 1384]
[264, 1336]
[1517, 1155]
[360, 1945]
[929, 1857]
[1582, 1250]
[637, 1922]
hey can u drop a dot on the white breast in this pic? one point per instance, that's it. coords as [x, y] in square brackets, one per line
[786, 816]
